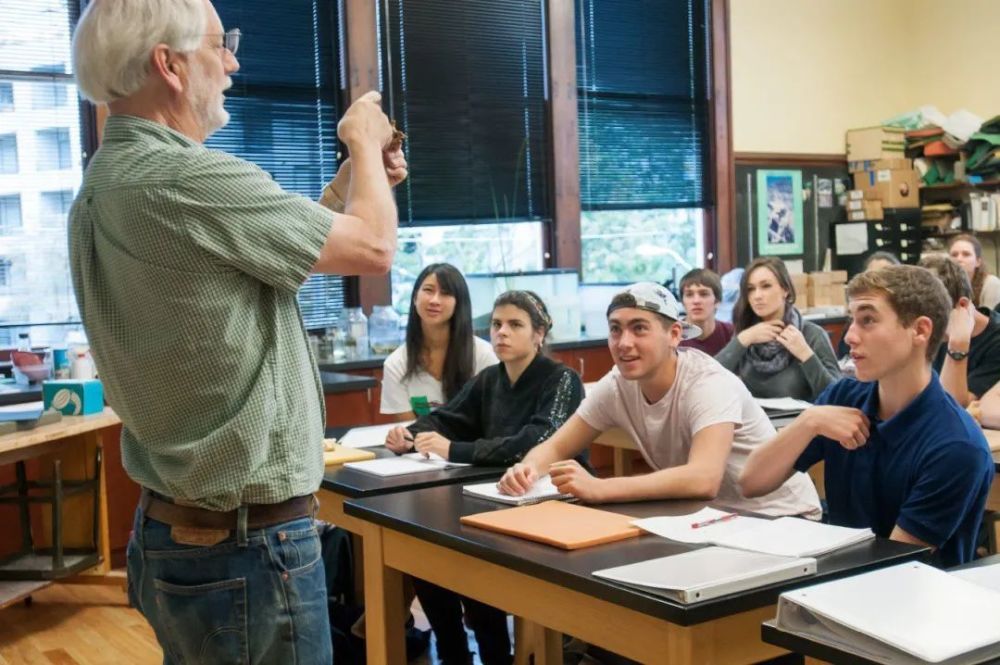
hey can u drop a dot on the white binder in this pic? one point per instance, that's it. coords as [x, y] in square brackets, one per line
[906, 614]
[709, 572]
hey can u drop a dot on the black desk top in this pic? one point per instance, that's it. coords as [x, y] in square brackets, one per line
[433, 514]
[338, 382]
[771, 634]
[355, 484]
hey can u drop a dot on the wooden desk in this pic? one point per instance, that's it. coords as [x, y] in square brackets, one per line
[817, 652]
[74, 441]
[419, 533]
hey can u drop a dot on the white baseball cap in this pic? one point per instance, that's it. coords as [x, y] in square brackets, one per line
[652, 297]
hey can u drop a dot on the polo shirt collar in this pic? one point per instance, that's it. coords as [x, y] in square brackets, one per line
[120, 127]
[893, 431]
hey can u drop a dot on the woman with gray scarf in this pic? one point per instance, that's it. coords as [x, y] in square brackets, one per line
[775, 352]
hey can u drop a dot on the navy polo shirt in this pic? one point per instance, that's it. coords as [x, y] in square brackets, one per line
[927, 469]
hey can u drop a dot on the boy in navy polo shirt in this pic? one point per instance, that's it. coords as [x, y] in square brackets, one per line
[902, 457]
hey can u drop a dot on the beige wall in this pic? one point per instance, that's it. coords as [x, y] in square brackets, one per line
[804, 71]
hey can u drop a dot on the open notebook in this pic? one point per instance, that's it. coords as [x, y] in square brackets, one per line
[708, 572]
[542, 490]
[402, 465]
[782, 406]
[785, 536]
[369, 437]
[907, 614]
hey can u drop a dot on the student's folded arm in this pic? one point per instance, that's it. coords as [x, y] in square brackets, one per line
[731, 354]
[821, 369]
[955, 379]
[989, 407]
[699, 478]
[557, 402]
[774, 462]
[458, 420]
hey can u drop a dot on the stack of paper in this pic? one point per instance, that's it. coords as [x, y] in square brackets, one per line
[369, 437]
[984, 576]
[910, 613]
[708, 573]
[398, 466]
[781, 405]
[542, 490]
[785, 536]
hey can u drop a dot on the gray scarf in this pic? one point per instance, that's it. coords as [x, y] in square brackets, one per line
[771, 357]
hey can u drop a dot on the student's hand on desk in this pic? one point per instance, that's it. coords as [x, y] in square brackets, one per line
[432, 442]
[518, 479]
[765, 331]
[399, 440]
[571, 478]
[846, 425]
[792, 339]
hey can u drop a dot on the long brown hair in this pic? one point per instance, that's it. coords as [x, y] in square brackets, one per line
[980, 274]
[743, 314]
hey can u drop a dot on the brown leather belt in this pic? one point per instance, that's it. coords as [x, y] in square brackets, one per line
[259, 515]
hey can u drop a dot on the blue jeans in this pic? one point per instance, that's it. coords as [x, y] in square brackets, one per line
[262, 602]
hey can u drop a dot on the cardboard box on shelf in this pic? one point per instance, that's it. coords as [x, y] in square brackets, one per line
[800, 282]
[875, 143]
[860, 211]
[897, 163]
[894, 188]
[855, 194]
[826, 289]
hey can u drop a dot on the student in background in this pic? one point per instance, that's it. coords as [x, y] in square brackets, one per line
[701, 293]
[901, 457]
[775, 351]
[694, 422]
[875, 261]
[969, 362]
[441, 353]
[968, 252]
[495, 419]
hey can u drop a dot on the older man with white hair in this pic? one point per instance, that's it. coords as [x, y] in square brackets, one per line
[186, 263]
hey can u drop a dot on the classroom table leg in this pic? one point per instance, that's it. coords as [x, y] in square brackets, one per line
[384, 615]
[548, 646]
[523, 640]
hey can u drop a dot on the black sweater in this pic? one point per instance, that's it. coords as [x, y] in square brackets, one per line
[492, 423]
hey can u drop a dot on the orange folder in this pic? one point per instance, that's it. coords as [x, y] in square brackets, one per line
[335, 454]
[563, 525]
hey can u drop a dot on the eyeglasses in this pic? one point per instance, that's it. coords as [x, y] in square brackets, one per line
[230, 40]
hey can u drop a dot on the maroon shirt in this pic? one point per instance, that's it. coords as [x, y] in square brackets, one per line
[713, 343]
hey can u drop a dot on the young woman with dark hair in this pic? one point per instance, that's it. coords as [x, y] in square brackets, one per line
[966, 250]
[440, 353]
[775, 352]
[495, 419]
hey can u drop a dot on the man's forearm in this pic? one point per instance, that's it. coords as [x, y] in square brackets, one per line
[955, 379]
[679, 482]
[771, 464]
[369, 196]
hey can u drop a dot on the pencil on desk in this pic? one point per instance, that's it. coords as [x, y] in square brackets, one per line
[698, 525]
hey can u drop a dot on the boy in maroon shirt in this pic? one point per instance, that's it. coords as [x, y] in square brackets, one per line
[701, 293]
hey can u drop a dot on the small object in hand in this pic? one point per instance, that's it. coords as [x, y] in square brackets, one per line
[398, 136]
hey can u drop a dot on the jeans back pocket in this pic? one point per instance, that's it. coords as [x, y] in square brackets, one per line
[204, 623]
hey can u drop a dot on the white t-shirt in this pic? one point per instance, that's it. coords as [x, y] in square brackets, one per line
[397, 391]
[704, 393]
[990, 295]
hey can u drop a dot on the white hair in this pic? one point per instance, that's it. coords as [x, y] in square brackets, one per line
[114, 38]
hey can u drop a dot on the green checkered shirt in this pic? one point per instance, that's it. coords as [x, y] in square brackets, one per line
[186, 262]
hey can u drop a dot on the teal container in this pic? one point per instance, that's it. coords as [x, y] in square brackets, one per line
[72, 397]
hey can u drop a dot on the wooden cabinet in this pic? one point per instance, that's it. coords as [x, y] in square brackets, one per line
[591, 362]
[357, 407]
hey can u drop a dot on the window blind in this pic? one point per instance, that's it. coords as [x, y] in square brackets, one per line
[643, 84]
[284, 108]
[467, 84]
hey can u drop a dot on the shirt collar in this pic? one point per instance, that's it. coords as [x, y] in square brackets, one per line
[892, 431]
[120, 128]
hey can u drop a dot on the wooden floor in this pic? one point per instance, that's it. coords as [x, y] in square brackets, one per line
[76, 624]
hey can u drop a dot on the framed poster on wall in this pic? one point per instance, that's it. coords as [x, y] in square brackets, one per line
[779, 212]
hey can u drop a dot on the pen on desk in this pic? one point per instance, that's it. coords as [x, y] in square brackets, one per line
[724, 518]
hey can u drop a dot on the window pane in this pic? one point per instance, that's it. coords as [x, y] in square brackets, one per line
[10, 213]
[8, 153]
[472, 248]
[622, 246]
[41, 163]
